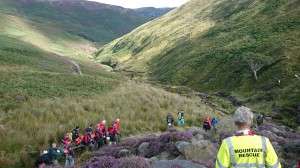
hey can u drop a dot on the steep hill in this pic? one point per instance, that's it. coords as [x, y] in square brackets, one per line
[215, 47]
[93, 21]
[153, 13]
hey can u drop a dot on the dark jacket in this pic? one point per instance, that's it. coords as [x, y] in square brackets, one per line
[53, 153]
[169, 119]
[75, 134]
[42, 159]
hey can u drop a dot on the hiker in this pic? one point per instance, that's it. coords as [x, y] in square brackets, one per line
[53, 153]
[67, 149]
[103, 130]
[75, 134]
[259, 119]
[100, 134]
[88, 140]
[169, 120]
[70, 155]
[42, 160]
[214, 122]
[207, 124]
[112, 130]
[117, 123]
[65, 142]
[245, 149]
[180, 117]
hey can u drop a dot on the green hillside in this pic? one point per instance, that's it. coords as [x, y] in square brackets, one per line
[209, 46]
[92, 21]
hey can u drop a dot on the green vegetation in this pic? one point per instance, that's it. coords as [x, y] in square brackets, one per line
[207, 46]
[89, 20]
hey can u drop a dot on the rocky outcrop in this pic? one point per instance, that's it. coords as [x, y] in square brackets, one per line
[176, 164]
[200, 150]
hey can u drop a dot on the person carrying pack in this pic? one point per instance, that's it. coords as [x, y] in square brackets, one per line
[259, 119]
[207, 124]
[103, 131]
[180, 117]
[70, 156]
[42, 160]
[214, 122]
[75, 134]
[87, 139]
[53, 154]
[245, 149]
[118, 135]
[169, 120]
[99, 136]
[112, 130]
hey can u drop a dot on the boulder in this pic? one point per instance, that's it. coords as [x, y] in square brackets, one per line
[176, 163]
[123, 152]
[143, 147]
[180, 145]
[164, 155]
[153, 159]
[199, 137]
[201, 150]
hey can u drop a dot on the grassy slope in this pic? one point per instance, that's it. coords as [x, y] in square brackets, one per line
[201, 44]
[90, 20]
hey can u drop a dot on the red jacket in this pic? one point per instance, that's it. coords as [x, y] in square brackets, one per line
[112, 130]
[208, 121]
[117, 123]
[102, 128]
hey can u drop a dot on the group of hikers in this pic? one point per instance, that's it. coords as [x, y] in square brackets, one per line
[97, 136]
[100, 136]
[207, 125]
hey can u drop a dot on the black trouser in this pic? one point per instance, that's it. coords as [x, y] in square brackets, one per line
[100, 142]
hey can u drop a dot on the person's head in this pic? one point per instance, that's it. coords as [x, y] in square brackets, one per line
[103, 122]
[117, 120]
[53, 145]
[91, 125]
[77, 127]
[243, 117]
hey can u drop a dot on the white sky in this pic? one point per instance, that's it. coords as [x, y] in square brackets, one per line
[144, 3]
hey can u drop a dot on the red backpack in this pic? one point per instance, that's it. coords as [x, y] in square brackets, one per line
[112, 130]
[87, 138]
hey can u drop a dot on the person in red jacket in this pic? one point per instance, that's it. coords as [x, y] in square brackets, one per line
[87, 139]
[65, 142]
[112, 130]
[117, 123]
[207, 124]
[100, 134]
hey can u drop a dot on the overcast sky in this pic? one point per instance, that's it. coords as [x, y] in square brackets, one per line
[144, 3]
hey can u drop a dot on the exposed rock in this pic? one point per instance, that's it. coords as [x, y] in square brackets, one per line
[201, 150]
[180, 145]
[199, 137]
[164, 155]
[153, 159]
[123, 152]
[272, 137]
[143, 147]
[176, 163]
[193, 140]
[20, 98]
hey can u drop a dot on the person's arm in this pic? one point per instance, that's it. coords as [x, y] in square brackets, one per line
[271, 156]
[223, 157]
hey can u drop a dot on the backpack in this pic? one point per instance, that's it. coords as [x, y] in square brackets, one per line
[87, 138]
[98, 133]
[169, 119]
[78, 140]
[259, 119]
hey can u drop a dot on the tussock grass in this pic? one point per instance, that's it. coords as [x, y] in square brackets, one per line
[140, 108]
